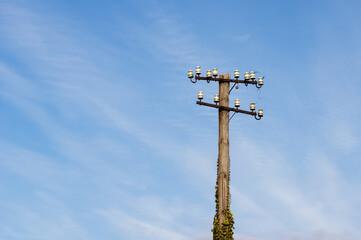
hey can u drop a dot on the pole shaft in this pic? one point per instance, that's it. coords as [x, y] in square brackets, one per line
[223, 149]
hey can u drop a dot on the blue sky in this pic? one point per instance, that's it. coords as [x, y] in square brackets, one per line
[100, 136]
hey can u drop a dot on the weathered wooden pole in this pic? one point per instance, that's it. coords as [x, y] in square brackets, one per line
[223, 220]
[223, 150]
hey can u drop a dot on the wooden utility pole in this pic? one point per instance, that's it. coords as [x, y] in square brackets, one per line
[223, 149]
[223, 219]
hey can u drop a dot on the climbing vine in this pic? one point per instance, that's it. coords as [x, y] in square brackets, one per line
[226, 232]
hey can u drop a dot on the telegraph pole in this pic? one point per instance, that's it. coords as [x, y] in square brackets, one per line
[223, 148]
[223, 219]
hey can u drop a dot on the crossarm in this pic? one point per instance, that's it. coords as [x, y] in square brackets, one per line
[227, 108]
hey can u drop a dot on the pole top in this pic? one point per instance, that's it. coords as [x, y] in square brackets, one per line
[225, 76]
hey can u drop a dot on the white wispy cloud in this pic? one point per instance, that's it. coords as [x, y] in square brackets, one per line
[38, 98]
[123, 223]
[317, 201]
[317, 235]
[38, 212]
